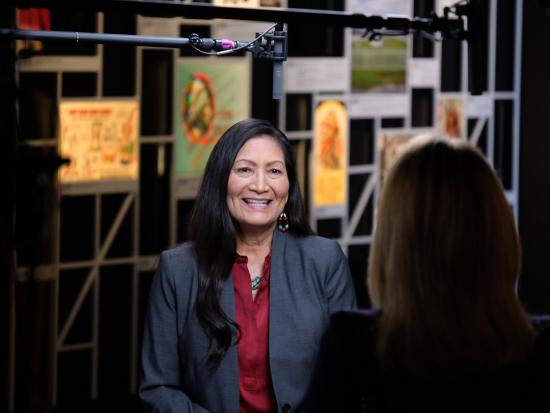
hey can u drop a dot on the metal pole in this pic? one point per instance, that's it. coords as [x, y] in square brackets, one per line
[131, 39]
[104, 38]
[208, 11]
[7, 208]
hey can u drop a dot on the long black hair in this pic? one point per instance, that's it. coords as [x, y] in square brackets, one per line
[213, 230]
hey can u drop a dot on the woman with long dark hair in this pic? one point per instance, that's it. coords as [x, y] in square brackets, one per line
[448, 332]
[236, 315]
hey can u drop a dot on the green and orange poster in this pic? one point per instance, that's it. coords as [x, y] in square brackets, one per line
[212, 94]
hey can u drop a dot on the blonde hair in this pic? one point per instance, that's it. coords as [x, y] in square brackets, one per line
[444, 263]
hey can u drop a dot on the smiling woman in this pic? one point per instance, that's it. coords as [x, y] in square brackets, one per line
[236, 316]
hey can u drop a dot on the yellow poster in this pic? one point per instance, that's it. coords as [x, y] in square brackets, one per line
[330, 154]
[101, 140]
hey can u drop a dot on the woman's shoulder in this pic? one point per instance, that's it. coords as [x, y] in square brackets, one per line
[182, 251]
[353, 335]
[315, 244]
[354, 328]
[540, 323]
[541, 327]
[323, 253]
[177, 261]
[364, 321]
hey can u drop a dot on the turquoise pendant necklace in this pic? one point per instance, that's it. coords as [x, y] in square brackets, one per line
[256, 282]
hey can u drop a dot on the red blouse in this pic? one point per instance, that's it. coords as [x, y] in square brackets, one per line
[255, 386]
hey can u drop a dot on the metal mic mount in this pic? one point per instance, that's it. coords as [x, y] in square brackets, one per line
[274, 47]
[279, 55]
[206, 44]
[271, 45]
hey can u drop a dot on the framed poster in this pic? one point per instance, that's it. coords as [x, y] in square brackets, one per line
[330, 148]
[100, 138]
[323, 74]
[250, 3]
[237, 3]
[390, 145]
[212, 94]
[450, 117]
[378, 66]
[273, 3]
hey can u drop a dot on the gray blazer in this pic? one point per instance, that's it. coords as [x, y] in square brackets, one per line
[309, 280]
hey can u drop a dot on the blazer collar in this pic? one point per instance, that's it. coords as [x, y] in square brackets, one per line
[278, 278]
[229, 367]
[278, 294]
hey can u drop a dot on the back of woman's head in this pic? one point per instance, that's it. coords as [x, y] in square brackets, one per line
[445, 261]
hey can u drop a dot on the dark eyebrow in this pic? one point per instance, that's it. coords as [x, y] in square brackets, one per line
[245, 160]
[254, 163]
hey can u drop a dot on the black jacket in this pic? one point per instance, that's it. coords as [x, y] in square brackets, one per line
[348, 378]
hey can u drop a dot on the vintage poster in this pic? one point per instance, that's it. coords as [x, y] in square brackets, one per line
[378, 66]
[390, 146]
[100, 138]
[250, 3]
[212, 94]
[32, 19]
[450, 118]
[237, 3]
[273, 3]
[330, 148]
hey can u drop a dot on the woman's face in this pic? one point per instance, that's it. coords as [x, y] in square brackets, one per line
[257, 189]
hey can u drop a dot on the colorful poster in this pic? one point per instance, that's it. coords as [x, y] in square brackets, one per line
[271, 3]
[249, 3]
[330, 148]
[212, 94]
[378, 66]
[101, 140]
[390, 146]
[237, 3]
[450, 118]
[33, 19]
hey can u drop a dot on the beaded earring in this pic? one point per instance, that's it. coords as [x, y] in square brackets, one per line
[282, 222]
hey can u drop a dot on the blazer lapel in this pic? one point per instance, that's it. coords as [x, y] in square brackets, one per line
[278, 328]
[228, 371]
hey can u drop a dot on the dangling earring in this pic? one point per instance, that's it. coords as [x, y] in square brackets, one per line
[282, 222]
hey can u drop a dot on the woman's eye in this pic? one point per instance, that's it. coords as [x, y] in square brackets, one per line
[275, 171]
[243, 169]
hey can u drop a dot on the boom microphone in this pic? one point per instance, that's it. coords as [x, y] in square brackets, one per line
[477, 37]
[279, 37]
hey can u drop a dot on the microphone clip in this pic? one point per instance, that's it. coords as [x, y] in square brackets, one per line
[273, 46]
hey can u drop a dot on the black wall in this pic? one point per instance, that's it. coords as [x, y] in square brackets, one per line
[7, 187]
[534, 194]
